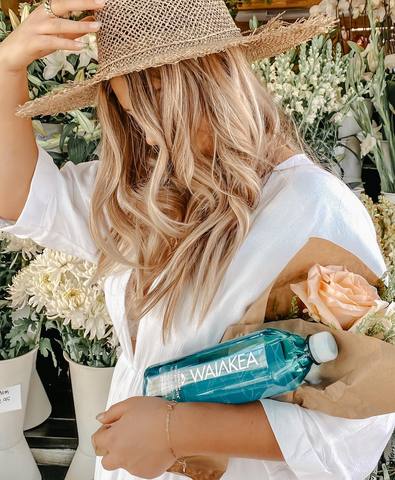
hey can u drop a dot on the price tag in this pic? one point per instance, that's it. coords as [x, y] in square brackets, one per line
[10, 398]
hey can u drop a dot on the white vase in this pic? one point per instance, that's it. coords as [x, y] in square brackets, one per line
[38, 407]
[351, 162]
[90, 391]
[348, 127]
[16, 459]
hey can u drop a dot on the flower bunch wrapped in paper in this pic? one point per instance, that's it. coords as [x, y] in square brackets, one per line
[343, 297]
[293, 359]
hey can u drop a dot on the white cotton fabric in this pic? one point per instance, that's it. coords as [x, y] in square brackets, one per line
[299, 201]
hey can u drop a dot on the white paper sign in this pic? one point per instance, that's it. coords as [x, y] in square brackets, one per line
[10, 398]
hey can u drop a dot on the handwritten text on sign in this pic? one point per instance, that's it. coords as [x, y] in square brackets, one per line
[10, 398]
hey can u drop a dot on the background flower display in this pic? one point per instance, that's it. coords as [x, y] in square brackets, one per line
[371, 72]
[309, 83]
[20, 331]
[59, 286]
[73, 136]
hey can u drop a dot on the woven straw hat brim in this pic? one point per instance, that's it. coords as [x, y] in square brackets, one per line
[269, 40]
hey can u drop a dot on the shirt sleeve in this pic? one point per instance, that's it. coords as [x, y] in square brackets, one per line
[56, 212]
[319, 446]
[316, 445]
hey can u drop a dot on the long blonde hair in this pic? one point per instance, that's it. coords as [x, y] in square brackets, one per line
[178, 215]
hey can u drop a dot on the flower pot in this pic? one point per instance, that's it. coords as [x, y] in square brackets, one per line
[16, 459]
[348, 127]
[38, 407]
[351, 162]
[90, 391]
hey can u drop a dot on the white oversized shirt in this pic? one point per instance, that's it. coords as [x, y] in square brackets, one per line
[299, 201]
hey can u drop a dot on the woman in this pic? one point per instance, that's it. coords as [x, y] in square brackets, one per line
[201, 197]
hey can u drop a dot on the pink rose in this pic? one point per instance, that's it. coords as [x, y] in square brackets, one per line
[335, 296]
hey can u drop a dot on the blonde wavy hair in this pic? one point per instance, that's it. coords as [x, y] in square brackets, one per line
[178, 215]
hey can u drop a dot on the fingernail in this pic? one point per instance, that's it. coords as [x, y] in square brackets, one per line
[100, 416]
[100, 2]
[95, 25]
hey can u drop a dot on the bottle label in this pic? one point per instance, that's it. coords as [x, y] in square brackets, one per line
[173, 381]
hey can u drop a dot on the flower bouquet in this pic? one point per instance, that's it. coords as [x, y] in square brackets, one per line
[59, 285]
[360, 316]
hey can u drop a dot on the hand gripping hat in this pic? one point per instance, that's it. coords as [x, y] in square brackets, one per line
[140, 34]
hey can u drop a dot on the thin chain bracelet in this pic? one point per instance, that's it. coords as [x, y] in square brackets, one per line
[170, 407]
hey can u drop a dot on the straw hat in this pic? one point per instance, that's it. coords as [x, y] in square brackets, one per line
[139, 34]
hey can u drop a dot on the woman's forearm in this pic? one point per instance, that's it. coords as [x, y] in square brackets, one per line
[216, 429]
[18, 153]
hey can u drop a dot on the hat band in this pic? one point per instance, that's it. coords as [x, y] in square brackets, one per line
[235, 31]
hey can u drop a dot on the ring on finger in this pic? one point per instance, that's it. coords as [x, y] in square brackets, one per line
[49, 10]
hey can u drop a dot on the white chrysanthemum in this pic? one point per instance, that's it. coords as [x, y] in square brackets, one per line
[61, 285]
[27, 247]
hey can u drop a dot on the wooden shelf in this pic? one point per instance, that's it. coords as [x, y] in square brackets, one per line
[277, 4]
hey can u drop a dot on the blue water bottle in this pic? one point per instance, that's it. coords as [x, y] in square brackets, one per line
[260, 365]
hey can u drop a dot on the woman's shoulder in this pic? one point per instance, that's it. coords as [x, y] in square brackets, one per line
[304, 181]
[303, 197]
[302, 200]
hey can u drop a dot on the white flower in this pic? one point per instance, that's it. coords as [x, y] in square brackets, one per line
[89, 52]
[61, 285]
[27, 247]
[368, 144]
[57, 62]
[372, 58]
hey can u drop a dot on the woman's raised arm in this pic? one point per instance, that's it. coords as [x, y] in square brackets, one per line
[39, 35]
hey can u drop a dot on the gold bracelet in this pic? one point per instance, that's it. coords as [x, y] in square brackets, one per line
[170, 407]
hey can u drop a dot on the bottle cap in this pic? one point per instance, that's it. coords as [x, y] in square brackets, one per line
[323, 347]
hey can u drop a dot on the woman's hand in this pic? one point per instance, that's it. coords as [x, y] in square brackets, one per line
[39, 35]
[134, 434]
[134, 437]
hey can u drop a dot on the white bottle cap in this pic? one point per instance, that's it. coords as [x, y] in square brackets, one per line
[323, 347]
